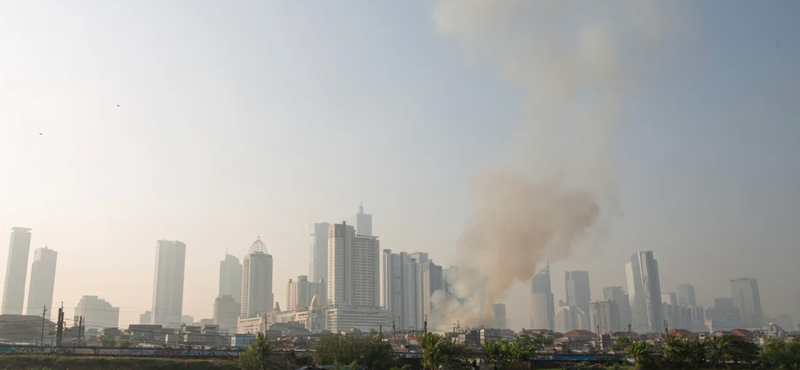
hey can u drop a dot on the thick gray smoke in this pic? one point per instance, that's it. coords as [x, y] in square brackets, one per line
[558, 183]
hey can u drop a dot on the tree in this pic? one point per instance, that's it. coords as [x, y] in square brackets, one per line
[370, 352]
[621, 344]
[435, 351]
[641, 354]
[108, 341]
[494, 354]
[124, 343]
[781, 354]
[256, 356]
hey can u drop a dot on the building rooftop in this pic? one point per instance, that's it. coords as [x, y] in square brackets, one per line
[258, 246]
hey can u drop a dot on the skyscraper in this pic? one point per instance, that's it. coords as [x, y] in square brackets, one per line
[230, 278]
[686, 295]
[604, 316]
[318, 262]
[353, 268]
[569, 318]
[431, 279]
[616, 294]
[97, 313]
[400, 289]
[578, 292]
[43, 278]
[300, 293]
[542, 302]
[747, 299]
[257, 297]
[500, 320]
[16, 271]
[168, 283]
[226, 314]
[645, 286]
[363, 222]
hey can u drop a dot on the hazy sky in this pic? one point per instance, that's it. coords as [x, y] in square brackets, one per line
[262, 117]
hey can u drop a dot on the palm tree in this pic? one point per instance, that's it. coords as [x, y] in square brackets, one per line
[641, 354]
[257, 355]
[494, 353]
[435, 351]
[718, 349]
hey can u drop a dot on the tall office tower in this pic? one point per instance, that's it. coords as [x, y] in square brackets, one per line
[604, 316]
[744, 292]
[363, 222]
[686, 295]
[168, 283]
[146, 318]
[616, 294]
[543, 309]
[97, 313]
[500, 320]
[300, 293]
[230, 278]
[16, 271]
[723, 302]
[645, 287]
[318, 261]
[353, 268]
[420, 257]
[257, 297]
[43, 278]
[669, 298]
[569, 318]
[431, 279]
[578, 292]
[400, 289]
[226, 314]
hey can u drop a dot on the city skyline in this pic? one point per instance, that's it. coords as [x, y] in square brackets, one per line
[691, 154]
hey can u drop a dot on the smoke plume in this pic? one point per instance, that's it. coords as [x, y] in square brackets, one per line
[558, 182]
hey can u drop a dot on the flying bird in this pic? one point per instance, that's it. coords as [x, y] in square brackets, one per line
[117, 105]
[40, 133]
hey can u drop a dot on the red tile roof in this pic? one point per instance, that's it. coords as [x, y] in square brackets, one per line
[744, 333]
[579, 334]
[682, 333]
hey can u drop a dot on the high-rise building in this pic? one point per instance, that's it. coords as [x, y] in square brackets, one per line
[569, 318]
[226, 314]
[300, 293]
[16, 270]
[745, 295]
[257, 297]
[400, 285]
[353, 268]
[542, 302]
[431, 279]
[168, 283]
[146, 318]
[723, 302]
[604, 316]
[617, 294]
[500, 320]
[43, 279]
[318, 261]
[686, 295]
[669, 298]
[363, 222]
[578, 292]
[97, 313]
[230, 278]
[644, 286]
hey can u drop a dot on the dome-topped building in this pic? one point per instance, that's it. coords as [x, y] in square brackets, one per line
[257, 296]
[258, 247]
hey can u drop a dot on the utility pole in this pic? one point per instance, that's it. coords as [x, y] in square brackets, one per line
[425, 324]
[630, 334]
[44, 312]
[60, 327]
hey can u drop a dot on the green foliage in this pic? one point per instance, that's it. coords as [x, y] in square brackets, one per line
[504, 355]
[371, 351]
[123, 343]
[621, 344]
[779, 354]
[642, 354]
[683, 352]
[438, 352]
[108, 341]
[256, 357]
